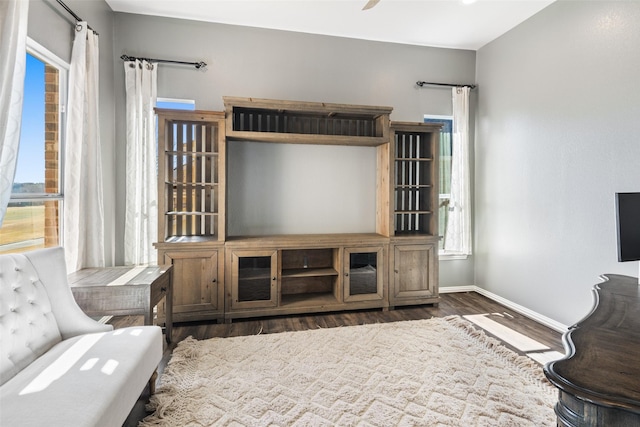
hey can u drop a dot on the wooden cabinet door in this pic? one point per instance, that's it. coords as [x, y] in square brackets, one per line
[254, 278]
[414, 273]
[197, 292]
[363, 274]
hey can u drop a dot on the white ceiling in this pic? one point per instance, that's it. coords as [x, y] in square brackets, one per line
[439, 23]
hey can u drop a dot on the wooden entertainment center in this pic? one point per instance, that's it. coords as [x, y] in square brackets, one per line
[222, 277]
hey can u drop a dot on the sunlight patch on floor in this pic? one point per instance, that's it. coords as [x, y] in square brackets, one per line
[545, 356]
[508, 335]
[534, 349]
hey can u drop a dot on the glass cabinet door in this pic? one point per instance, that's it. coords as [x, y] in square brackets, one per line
[363, 274]
[254, 279]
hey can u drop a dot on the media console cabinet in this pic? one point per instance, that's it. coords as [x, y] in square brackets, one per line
[222, 277]
[599, 379]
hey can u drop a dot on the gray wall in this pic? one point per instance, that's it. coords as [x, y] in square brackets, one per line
[251, 62]
[300, 189]
[557, 135]
[556, 124]
[52, 27]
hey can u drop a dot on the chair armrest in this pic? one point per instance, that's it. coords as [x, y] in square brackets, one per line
[52, 271]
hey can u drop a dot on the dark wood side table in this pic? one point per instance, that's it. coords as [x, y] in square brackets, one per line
[123, 291]
[599, 378]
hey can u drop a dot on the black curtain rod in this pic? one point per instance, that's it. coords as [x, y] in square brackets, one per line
[77, 18]
[198, 65]
[444, 84]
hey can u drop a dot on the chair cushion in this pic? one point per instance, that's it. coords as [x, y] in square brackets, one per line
[28, 327]
[88, 380]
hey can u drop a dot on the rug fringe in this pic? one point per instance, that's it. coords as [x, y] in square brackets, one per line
[162, 403]
[528, 367]
[188, 348]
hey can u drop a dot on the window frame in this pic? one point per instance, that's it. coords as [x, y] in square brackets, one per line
[427, 118]
[43, 54]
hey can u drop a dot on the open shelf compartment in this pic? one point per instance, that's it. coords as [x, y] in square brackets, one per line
[279, 121]
[309, 276]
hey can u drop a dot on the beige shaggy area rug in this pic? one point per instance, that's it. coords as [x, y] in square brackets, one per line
[435, 372]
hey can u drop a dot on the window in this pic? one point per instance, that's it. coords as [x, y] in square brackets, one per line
[34, 214]
[176, 104]
[445, 171]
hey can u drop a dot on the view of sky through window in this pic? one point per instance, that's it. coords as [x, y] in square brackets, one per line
[176, 104]
[30, 167]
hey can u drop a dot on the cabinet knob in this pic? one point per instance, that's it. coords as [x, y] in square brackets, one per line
[214, 280]
[274, 278]
[346, 274]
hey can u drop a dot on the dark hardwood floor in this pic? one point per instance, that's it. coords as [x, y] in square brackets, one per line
[461, 303]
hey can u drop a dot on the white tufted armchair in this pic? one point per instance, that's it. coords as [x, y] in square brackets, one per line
[59, 367]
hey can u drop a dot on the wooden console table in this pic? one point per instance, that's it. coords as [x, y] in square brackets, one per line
[124, 291]
[599, 379]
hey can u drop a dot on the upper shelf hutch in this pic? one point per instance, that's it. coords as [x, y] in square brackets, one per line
[266, 120]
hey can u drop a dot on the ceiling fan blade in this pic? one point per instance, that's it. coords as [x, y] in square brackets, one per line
[370, 4]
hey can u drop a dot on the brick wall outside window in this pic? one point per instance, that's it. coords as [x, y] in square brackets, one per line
[51, 156]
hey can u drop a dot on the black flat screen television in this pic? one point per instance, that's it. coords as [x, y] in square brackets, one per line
[628, 226]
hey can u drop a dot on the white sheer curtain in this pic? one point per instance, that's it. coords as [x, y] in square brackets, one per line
[83, 202]
[141, 222]
[13, 45]
[458, 232]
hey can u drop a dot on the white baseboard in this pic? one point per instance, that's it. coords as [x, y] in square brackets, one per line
[544, 320]
[452, 289]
